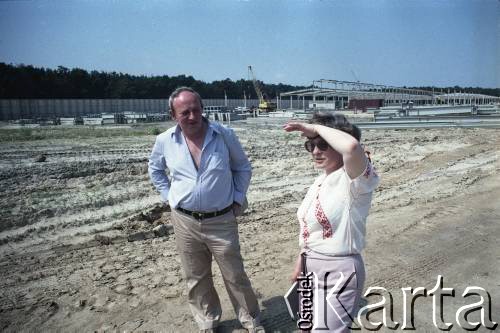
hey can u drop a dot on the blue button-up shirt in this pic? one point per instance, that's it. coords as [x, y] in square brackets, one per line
[223, 177]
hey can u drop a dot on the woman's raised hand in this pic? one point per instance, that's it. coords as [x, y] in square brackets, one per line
[307, 130]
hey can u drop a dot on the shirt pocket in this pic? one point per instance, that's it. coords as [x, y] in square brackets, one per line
[217, 162]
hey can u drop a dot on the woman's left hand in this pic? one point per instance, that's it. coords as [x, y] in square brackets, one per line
[297, 269]
[308, 130]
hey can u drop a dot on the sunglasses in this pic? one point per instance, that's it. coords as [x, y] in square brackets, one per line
[321, 144]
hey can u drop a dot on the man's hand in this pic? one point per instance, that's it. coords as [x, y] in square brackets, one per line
[237, 210]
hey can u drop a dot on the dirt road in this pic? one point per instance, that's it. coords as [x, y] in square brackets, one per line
[67, 263]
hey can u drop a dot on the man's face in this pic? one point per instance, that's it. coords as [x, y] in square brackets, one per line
[187, 112]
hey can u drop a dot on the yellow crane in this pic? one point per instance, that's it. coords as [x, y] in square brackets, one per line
[265, 104]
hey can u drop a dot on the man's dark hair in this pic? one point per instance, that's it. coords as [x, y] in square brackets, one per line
[337, 121]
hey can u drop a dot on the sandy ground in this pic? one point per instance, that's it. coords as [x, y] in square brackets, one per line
[67, 263]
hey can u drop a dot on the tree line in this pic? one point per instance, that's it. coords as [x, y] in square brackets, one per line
[26, 81]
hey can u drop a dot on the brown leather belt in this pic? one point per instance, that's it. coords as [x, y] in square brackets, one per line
[202, 215]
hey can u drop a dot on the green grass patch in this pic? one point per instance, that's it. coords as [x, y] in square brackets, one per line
[77, 132]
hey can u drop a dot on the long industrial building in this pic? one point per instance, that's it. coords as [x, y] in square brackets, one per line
[335, 94]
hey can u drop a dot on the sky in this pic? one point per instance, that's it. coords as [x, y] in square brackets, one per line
[392, 42]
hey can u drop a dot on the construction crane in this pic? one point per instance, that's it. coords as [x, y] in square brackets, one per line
[265, 105]
[355, 76]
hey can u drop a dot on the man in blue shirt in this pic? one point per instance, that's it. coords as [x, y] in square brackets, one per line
[209, 175]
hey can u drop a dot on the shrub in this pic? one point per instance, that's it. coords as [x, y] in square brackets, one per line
[155, 131]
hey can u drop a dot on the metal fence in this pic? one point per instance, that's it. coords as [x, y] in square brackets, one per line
[14, 109]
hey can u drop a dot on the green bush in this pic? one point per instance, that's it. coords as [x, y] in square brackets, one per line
[155, 131]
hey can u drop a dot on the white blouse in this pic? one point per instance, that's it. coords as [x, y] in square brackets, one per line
[332, 216]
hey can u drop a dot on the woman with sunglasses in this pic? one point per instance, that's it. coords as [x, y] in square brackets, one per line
[332, 218]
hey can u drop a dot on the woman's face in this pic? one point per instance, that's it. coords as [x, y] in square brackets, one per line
[324, 156]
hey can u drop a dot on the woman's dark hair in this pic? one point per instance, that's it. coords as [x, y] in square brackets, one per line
[337, 121]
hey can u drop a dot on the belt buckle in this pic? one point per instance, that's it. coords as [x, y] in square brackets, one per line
[198, 216]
